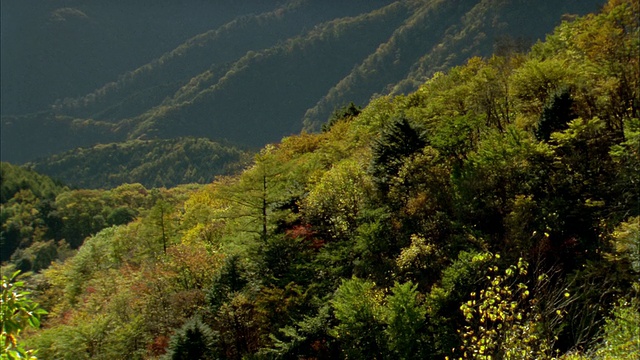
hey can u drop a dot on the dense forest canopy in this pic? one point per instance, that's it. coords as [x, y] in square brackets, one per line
[152, 163]
[493, 213]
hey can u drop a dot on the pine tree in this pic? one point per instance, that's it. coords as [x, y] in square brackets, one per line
[398, 141]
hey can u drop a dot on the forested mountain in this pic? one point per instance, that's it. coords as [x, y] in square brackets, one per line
[67, 48]
[492, 213]
[14, 179]
[88, 72]
[152, 163]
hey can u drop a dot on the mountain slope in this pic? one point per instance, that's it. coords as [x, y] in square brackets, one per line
[152, 163]
[14, 179]
[163, 76]
[66, 48]
[263, 95]
[255, 76]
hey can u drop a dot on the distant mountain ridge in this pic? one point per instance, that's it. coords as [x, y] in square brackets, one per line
[152, 163]
[260, 72]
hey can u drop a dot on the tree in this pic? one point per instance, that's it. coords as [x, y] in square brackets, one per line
[422, 193]
[556, 115]
[257, 194]
[537, 82]
[489, 91]
[506, 166]
[161, 221]
[345, 112]
[397, 141]
[193, 341]
[83, 213]
[580, 184]
[230, 279]
[502, 319]
[335, 202]
[421, 262]
[626, 156]
[356, 304]
[161, 213]
[376, 244]
[121, 215]
[621, 339]
[22, 224]
[405, 320]
[459, 279]
[309, 338]
[240, 326]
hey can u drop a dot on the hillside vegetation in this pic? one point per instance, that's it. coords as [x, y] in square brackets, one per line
[248, 74]
[492, 213]
[152, 163]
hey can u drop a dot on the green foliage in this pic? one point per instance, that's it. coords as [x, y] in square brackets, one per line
[26, 214]
[405, 320]
[585, 169]
[626, 243]
[455, 137]
[346, 112]
[356, 305]
[17, 313]
[194, 340]
[15, 178]
[83, 213]
[398, 141]
[536, 84]
[421, 261]
[621, 339]
[336, 201]
[375, 246]
[230, 279]
[286, 260]
[153, 163]
[513, 318]
[21, 222]
[161, 216]
[503, 167]
[555, 115]
[373, 325]
[96, 254]
[240, 326]
[457, 281]
[108, 323]
[309, 337]
[626, 155]
[121, 216]
[36, 230]
[422, 195]
[39, 255]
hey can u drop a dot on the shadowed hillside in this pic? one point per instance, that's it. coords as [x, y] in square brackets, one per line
[243, 73]
[152, 163]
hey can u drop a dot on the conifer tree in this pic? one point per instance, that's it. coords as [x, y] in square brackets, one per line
[398, 141]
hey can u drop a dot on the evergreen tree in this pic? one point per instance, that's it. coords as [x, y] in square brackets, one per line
[398, 141]
[230, 279]
[405, 320]
[345, 112]
[556, 115]
[193, 341]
